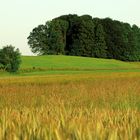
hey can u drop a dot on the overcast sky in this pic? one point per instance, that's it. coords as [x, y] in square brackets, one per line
[19, 17]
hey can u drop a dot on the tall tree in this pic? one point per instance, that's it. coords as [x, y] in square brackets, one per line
[38, 39]
[100, 48]
[72, 21]
[134, 44]
[57, 36]
[115, 38]
[83, 36]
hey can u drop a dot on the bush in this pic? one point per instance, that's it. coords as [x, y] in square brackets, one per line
[10, 58]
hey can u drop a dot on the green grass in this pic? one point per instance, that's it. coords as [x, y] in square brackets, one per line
[59, 64]
[72, 62]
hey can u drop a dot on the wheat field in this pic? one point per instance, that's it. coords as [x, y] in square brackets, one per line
[103, 106]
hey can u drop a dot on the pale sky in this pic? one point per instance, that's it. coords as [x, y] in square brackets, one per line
[19, 17]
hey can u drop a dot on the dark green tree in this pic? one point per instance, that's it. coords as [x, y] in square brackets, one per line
[38, 39]
[87, 36]
[10, 58]
[49, 38]
[100, 48]
[57, 36]
[82, 37]
[116, 38]
[72, 21]
[133, 45]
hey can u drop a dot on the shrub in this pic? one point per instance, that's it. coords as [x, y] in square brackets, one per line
[10, 58]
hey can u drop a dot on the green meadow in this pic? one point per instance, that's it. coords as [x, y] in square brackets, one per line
[73, 62]
[59, 64]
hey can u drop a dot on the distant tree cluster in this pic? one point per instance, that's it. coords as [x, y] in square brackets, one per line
[87, 36]
[10, 58]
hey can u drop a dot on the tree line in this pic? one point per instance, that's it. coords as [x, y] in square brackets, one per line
[86, 36]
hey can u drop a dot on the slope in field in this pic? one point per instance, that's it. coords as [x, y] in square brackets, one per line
[73, 62]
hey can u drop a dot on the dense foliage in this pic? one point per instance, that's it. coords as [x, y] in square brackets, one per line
[87, 36]
[10, 58]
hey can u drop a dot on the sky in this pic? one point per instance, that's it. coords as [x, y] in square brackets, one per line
[19, 17]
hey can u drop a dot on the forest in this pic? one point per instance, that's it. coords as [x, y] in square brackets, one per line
[86, 36]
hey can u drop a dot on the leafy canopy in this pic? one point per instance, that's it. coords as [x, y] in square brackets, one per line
[87, 36]
[10, 58]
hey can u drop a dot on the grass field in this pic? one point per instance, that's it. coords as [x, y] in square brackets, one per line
[54, 64]
[73, 62]
[64, 101]
[48, 65]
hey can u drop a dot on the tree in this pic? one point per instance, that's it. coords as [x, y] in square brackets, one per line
[82, 36]
[57, 36]
[49, 38]
[116, 38]
[10, 58]
[135, 43]
[87, 36]
[70, 33]
[38, 39]
[100, 48]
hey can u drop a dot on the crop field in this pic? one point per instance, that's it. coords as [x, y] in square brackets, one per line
[70, 98]
[90, 106]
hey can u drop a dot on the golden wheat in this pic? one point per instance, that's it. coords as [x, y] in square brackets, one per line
[70, 107]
